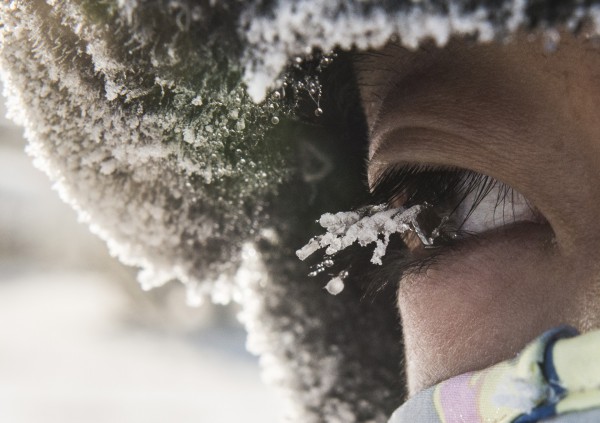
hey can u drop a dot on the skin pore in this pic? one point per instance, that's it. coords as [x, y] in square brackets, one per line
[530, 119]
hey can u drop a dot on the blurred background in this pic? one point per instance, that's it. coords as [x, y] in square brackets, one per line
[80, 341]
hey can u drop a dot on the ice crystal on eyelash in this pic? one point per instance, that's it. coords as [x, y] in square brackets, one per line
[369, 225]
[336, 285]
[373, 224]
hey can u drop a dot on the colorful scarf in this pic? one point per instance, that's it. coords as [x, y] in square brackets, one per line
[555, 375]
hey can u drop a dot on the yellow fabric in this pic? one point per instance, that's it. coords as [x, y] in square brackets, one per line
[577, 364]
[577, 361]
[578, 401]
[558, 373]
[499, 390]
[515, 388]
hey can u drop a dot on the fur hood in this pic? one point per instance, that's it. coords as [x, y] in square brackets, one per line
[178, 129]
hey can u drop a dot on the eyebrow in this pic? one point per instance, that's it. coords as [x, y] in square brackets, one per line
[381, 71]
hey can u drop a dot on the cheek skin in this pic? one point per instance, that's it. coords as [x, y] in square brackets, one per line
[455, 300]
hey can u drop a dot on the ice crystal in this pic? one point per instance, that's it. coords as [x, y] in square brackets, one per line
[370, 225]
[335, 286]
[374, 224]
[283, 33]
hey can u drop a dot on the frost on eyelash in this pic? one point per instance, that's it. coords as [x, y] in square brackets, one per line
[373, 224]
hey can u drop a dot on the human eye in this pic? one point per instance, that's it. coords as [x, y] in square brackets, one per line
[460, 203]
[419, 213]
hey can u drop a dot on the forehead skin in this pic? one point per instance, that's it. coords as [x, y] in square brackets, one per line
[530, 119]
[520, 65]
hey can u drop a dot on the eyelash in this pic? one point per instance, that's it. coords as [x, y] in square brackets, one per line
[445, 189]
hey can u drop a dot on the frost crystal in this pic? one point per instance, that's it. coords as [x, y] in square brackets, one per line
[369, 225]
[365, 226]
[335, 286]
[338, 23]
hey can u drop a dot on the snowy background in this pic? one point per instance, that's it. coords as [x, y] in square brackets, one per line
[80, 341]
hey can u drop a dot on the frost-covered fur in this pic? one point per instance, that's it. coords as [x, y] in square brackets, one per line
[141, 113]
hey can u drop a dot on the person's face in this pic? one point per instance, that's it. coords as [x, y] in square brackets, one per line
[530, 119]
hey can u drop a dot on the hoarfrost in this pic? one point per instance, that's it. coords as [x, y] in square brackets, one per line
[337, 24]
[370, 225]
[296, 28]
[374, 224]
[136, 128]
